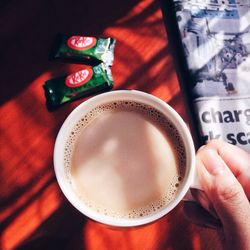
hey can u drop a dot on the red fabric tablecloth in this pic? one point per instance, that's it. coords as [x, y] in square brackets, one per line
[34, 214]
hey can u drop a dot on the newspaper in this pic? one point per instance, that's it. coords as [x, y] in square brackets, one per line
[215, 36]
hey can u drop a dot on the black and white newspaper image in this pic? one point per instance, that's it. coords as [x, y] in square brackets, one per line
[216, 40]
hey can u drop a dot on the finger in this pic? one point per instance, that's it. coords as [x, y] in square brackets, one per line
[226, 193]
[236, 159]
[198, 215]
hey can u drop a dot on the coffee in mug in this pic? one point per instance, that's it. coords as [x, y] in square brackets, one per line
[123, 159]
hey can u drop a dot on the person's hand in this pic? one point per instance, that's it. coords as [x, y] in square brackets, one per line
[224, 173]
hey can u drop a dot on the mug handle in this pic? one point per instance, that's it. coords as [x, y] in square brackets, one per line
[195, 184]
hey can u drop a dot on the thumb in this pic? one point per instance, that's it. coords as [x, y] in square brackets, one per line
[226, 195]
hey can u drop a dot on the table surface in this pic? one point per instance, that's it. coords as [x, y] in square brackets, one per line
[34, 214]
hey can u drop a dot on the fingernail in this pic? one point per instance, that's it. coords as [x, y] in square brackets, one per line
[213, 162]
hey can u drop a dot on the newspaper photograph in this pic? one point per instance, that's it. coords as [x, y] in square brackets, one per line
[216, 40]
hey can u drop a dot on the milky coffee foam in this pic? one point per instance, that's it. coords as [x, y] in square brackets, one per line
[125, 159]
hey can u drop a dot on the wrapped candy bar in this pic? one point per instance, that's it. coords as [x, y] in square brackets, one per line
[84, 49]
[87, 81]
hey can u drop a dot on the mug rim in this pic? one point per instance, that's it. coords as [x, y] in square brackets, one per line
[146, 98]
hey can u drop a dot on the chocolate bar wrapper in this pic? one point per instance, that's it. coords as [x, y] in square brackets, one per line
[84, 49]
[85, 82]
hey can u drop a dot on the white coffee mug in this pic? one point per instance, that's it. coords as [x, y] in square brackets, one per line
[123, 95]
